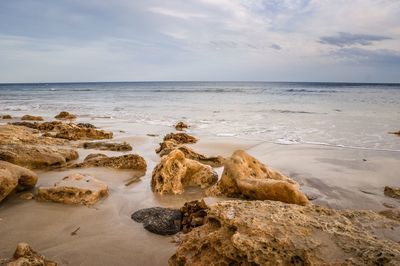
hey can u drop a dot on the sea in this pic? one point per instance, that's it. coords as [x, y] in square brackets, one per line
[348, 115]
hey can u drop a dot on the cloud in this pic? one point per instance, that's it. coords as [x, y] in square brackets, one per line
[347, 39]
[376, 56]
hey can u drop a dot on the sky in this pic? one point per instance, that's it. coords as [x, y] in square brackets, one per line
[199, 40]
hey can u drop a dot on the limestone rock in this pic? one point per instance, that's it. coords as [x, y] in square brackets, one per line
[174, 172]
[31, 117]
[128, 161]
[275, 233]
[161, 221]
[14, 177]
[6, 117]
[181, 126]
[24, 255]
[193, 215]
[65, 116]
[74, 189]
[11, 134]
[169, 145]
[393, 192]
[101, 145]
[181, 138]
[74, 132]
[244, 176]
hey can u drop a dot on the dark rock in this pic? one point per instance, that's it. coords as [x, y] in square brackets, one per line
[6, 117]
[31, 117]
[85, 125]
[101, 145]
[161, 221]
[180, 126]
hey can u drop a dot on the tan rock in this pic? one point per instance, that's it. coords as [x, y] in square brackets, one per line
[181, 126]
[393, 214]
[181, 138]
[65, 116]
[6, 117]
[275, 233]
[74, 189]
[11, 134]
[14, 177]
[24, 255]
[393, 192]
[26, 196]
[169, 145]
[111, 146]
[31, 117]
[244, 176]
[174, 172]
[128, 161]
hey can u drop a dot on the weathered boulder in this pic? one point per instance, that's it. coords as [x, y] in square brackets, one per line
[174, 172]
[74, 189]
[32, 118]
[14, 177]
[24, 255]
[181, 126]
[128, 161]
[393, 192]
[275, 233]
[161, 221]
[111, 146]
[180, 138]
[74, 132]
[65, 116]
[169, 145]
[6, 117]
[244, 176]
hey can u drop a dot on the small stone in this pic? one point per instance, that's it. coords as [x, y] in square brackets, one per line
[393, 192]
[161, 221]
[26, 196]
[180, 126]
[65, 116]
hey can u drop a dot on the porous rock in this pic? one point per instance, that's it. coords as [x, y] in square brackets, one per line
[14, 177]
[246, 177]
[174, 172]
[181, 138]
[275, 233]
[161, 221]
[65, 116]
[128, 161]
[32, 118]
[393, 192]
[111, 146]
[74, 189]
[24, 255]
[193, 214]
[181, 126]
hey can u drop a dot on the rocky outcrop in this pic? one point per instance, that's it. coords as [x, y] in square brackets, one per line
[180, 138]
[246, 177]
[393, 192]
[161, 221]
[32, 118]
[181, 126]
[65, 116]
[175, 172]
[275, 233]
[169, 145]
[128, 161]
[14, 177]
[10, 134]
[6, 117]
[24, 255]
[111, 146]
[74, 189]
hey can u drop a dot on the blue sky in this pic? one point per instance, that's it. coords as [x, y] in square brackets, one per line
[246, 40]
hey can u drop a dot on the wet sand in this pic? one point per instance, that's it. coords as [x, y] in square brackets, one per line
[337, 177]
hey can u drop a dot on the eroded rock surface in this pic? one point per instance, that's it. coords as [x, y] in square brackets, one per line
[161, 221]
[175, 172]
[275, 233]
[32, 118]
[24, 255]
[65, 116]
[193, 215]
[180, 138]
[128, 161]
[181, 126]
[14, 177]
[244, 176]
[74, 189]
[111, 146]
[169, 145]
[393, 192]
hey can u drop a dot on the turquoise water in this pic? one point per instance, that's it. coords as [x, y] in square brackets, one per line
[338, 114]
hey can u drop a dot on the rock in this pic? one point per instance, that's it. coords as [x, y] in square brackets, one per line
[14, 177]
[395, 133]
[275, 233]
[33, 125]
[393, 214]
[244, 176]
[26, 196]
[174, 172]
[180, 138]
[32, 118]
[6, 117]
[169, 145]
[65, 116]
[73, 132]
[128, 161]
[180, 126]
[10, 134]
[101, 145]
[74, 189]
[193, 215]
[85, 125]
[24, 255]
[393, 192]
[161, 221]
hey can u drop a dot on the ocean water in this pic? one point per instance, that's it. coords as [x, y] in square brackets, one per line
[339, 114]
